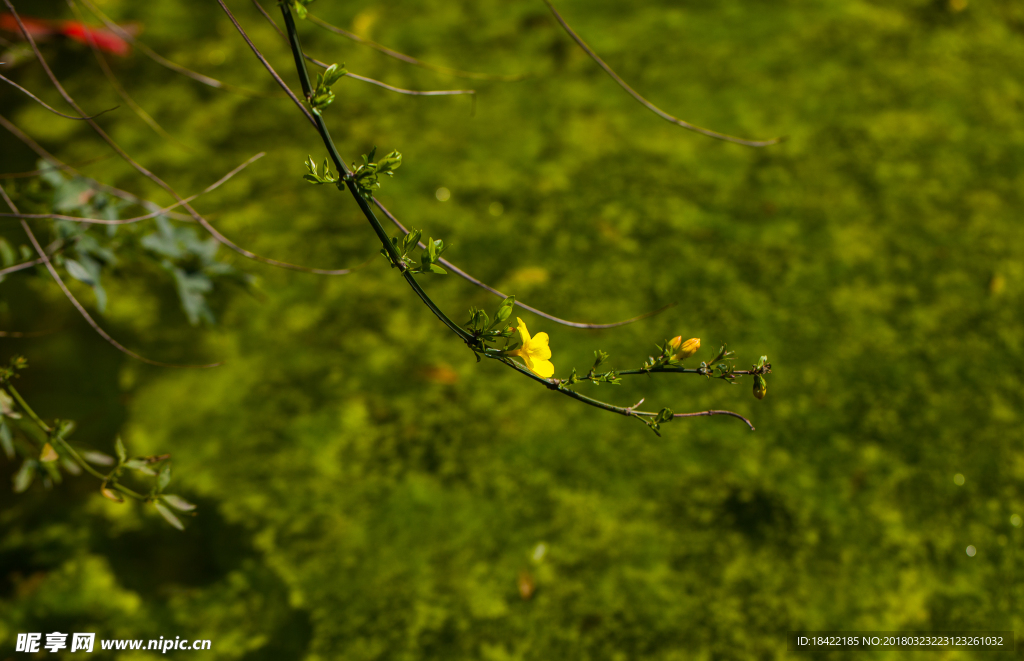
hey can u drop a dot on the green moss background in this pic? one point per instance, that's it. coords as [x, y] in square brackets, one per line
[368, 491]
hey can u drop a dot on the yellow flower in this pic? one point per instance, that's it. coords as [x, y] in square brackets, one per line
[683, 350]
[535, 352]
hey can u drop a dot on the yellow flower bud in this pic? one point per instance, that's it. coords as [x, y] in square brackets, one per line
[674, 343]
[760, 386]
[685, 349]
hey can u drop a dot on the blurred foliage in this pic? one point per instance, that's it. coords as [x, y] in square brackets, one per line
[366, 490]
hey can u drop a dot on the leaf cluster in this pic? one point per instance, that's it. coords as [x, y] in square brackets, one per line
[427, 259]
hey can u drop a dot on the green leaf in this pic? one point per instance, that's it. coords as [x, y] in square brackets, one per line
[434, 268]
[6, 252]
[333, 74]
[122, 454]
[78, 272]
[168, 516]
[23, 478]
[6, 439]
[98, 458]
[504, 311]
[177, 502]
[165, 477]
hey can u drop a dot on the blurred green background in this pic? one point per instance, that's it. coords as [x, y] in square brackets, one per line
[368, 491]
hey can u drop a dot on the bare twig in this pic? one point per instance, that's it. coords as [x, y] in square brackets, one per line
[164, 62]
[540, 313]
[405, 58]
[647, 104]
[48, 106]
[714, 412]
[53, 160]
[127, 221]
[116, 84]
[21, 266]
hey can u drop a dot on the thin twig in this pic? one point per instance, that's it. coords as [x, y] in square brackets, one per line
[267, 66]
[540, 313]
[21, 266]
[372, 81]
[164, 62]
[401, 56]
[401, 90]
[71, 297]
[127, 221]
[116, 84]
[714, 412]
[96, 185]
[647, 104]
[48, 106]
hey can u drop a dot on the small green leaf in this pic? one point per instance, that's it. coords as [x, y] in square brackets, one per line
[78, 272]
[122, 454]
[98, 458]
[177, 502]
[168, 516]
[6, 439]
[23, 478]
[165, 477]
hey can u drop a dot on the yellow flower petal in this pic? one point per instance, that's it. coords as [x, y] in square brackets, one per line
[543, 368]
[539, 346]
[524, 334]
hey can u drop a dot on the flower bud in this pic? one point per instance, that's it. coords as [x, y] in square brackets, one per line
[685, 349]
[760, 386]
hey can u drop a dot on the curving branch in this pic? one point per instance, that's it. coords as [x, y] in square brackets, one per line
[647, 104]
[164, 62]
[116, 84]
[392, 53]
[399, 90]
[48, 106]
[540, 313]
[128, 221]
[96, 185]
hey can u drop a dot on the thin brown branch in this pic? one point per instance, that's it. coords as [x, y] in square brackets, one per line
[266, 64]
[127, 221]
[410, 92]
[116, 84]
[372, 81]
[74, 301]
[48, 106]
[21, 266]
[164, 62]
[403, 57]
[703, 413]
[96, 185]
[540, 313]
[647, 104]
